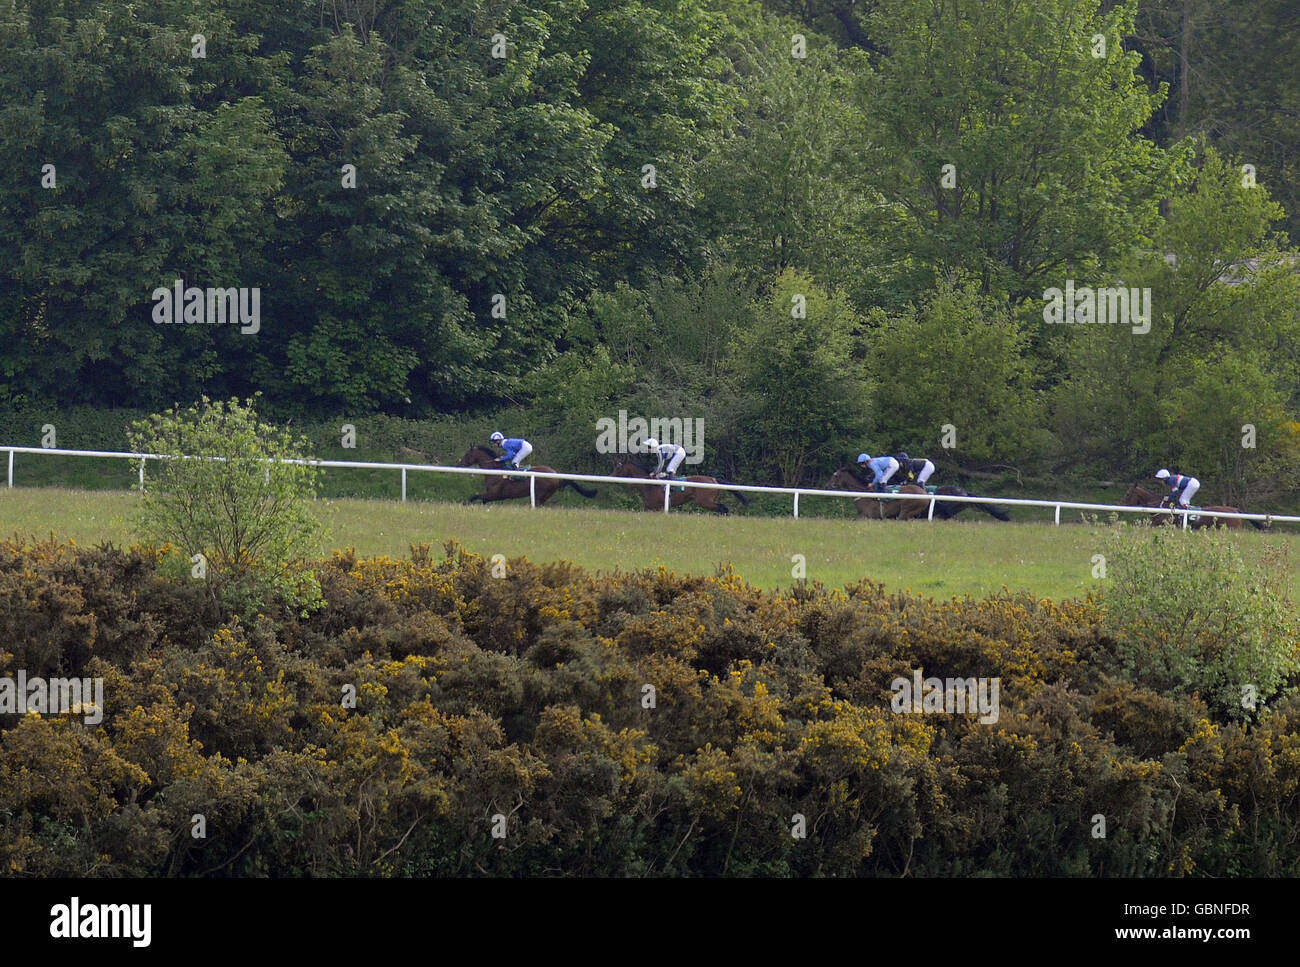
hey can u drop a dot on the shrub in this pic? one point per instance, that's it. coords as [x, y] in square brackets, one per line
[225, 493]
[1189, 615]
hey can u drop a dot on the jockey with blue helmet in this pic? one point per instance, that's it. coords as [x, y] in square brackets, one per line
[881, 468]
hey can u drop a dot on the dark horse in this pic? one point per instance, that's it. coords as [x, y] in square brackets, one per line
[504, 488]
[652, 495]
[949, 510]
[846, 478]
[1138, 496]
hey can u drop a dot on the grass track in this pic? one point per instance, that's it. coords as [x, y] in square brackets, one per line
[975, 556]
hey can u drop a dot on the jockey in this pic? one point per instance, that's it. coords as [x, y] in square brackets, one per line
[670, 452]
[517, 449]
[1181, 487]
[918, 470]
[882, 468]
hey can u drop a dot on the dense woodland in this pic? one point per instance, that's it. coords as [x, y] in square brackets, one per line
[798, 150]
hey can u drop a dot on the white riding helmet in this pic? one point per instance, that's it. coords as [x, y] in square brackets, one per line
[1162, 474]
[497, 438]
[651, 444]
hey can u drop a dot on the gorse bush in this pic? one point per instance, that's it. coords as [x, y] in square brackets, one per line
[1190, 615]
[524, 696]
[236, 515]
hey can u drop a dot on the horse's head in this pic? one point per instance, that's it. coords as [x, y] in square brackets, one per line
[846, 479]
[1139, 496]
[628, 468]
[477, 456]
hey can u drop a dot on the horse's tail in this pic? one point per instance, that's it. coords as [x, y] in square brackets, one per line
[585, 491]
[994, 511]
[736, 493]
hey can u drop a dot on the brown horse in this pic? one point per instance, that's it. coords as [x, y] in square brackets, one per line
[846, 478]
[504, 488]
[652, 495]
[1138, 496]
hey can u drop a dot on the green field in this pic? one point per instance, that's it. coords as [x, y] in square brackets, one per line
[975, 556]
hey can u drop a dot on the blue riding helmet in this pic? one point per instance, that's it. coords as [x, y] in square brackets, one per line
[864, 458]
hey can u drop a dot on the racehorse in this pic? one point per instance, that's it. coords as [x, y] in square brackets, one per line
[846, 478]
[504, 488]
[652, 495]
[949, 510]
[1138, 496]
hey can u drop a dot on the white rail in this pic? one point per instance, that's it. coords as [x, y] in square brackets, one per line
[796, 492]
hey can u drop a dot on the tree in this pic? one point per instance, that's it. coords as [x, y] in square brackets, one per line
[1222, 352]
[787, 189]
[126, 177]
[227, 500]
[1233, 74]
[961, 359]
[1048, 171]
[797, 393]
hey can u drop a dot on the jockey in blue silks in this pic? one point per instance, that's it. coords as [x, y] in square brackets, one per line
[882, 468]
[517, 449]
[1182, 488]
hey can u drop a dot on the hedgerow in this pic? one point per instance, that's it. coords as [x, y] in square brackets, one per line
[643, 723]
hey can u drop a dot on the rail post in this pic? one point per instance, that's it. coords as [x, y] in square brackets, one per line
[532, 490]
[667, 496]
[142, 459]
[1184, 513]
[11, 470]
[930, 514]
[1058, 515]
[403, 484]
[796, 504]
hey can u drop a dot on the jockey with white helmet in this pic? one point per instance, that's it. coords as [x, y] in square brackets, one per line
[517, 449]
[670, 453]
[1182, 488]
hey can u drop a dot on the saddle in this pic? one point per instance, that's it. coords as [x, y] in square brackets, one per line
[1167, 505]
[512, 479]
[661, 480]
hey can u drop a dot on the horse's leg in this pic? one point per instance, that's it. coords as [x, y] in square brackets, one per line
[544, 492]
